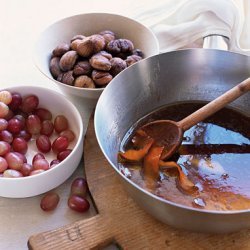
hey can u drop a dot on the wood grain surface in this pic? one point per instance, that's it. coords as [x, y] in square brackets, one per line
[121, 221]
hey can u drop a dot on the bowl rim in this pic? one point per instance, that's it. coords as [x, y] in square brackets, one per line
[36, 61]
[78, 142]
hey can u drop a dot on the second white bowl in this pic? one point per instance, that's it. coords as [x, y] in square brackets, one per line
[40, 183]
[88, 24]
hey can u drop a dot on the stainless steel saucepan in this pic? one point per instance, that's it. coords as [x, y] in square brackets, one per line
[183, 75]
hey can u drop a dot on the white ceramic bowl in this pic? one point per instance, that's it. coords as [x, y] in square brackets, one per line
[43, 182]
[88, 24]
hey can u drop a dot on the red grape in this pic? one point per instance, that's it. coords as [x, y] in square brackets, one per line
[4, 109]
[3, 164]
[26, 169]
[22, 156]
[44, 114]
[3, 124]
[60, 144]
[43, 143]
[4, 148]
[16, 101]
[5, 135]
[14, 161]
[69, 134]
[54, 162]
[47, 128]
[79, 187]
[63, 154]
[60, 123]
[33, 124]
[29, 103]
[5, 97]
[37, 156]
[12, 173]
[41, 164]
[35, 172]
[78, 203]
[9, 115]
[50, 201]
[14, 125]
[21, 119]
[20, 145]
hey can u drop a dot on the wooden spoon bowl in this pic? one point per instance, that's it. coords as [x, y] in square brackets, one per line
[169, 133]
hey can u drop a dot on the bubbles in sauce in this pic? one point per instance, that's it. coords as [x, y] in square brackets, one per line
[215, 155]
[199, 202]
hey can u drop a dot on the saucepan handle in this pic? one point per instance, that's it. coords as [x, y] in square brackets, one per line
[216, 42]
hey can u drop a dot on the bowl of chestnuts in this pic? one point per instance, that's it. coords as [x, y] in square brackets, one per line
[41, 140]
[83, 53]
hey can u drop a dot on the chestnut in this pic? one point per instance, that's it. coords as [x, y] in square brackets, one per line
[84, 82]
[117, 65]
[101, 78]
[132, 59]
[100, 62]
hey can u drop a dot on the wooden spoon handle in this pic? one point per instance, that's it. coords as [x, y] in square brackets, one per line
[215, 105]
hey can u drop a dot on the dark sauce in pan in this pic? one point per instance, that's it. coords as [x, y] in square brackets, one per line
[215, 155]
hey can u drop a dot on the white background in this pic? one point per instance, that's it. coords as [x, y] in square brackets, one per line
[21, 21]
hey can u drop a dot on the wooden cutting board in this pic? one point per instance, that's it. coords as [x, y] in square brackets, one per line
[121, 221]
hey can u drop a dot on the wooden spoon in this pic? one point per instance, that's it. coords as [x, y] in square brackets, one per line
[169, 133]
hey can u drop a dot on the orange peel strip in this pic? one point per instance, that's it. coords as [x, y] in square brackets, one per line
[184, 182]
[151, 162]
[137, 155]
